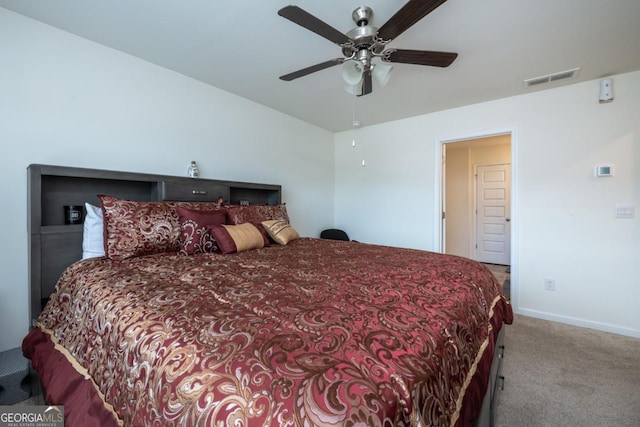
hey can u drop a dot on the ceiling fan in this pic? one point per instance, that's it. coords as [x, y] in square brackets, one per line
[365, 42]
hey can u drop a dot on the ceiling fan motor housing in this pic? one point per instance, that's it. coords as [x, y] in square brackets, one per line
[363, 37]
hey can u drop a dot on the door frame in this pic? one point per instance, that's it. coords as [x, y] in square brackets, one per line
[439, 205]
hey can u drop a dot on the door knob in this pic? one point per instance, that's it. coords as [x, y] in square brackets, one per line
[507, 219]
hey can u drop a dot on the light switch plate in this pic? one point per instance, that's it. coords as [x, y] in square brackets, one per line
[625, 210]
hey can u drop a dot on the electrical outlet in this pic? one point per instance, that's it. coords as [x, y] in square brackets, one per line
[550, 284]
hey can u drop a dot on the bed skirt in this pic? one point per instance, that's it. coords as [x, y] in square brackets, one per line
[67, 382]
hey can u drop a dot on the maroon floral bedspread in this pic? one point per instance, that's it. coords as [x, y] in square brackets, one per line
[315, 333]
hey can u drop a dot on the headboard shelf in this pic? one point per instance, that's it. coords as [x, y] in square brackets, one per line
[61, 229]
[254, 195]
[57, 191]
[53, 246]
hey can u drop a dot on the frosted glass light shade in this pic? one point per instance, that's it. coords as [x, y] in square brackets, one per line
[352, 72]
[382, 73]
[354, 89]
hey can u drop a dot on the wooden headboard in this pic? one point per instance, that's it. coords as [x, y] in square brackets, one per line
[53, 246]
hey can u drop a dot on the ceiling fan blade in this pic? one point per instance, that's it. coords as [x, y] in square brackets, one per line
[311, 69]
[419, 57]
[408, 15]
[367, 86]
[311, 23]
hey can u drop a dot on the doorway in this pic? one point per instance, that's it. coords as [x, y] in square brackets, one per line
[476, 198]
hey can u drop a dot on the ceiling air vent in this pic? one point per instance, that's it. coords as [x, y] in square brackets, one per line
[568, 74]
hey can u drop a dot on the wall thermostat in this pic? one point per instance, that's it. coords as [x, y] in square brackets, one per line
[603, 170]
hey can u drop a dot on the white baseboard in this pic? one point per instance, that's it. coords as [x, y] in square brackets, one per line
[599, 326]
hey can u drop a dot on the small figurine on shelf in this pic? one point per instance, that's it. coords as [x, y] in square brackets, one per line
[193, 170]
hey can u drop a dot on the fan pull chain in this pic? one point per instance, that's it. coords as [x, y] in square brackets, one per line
[356, 125]
[354, 122]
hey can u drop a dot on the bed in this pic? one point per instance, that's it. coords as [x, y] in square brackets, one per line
[269, 329]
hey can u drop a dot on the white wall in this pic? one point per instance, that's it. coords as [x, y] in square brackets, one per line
[67, 101]
[564, 225]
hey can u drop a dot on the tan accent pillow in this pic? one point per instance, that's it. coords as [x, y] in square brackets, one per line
[280, 231]
[237, 238]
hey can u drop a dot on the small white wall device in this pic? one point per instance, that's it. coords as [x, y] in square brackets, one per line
[606, 90]
[600, 171]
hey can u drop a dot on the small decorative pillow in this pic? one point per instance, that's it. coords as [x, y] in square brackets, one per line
[237, 238]
[195, 237]
[280, 231]
[239, 214]
[93, 233]
[133, 228]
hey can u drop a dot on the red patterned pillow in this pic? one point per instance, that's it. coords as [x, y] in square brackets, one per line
[237, 238]
[133, 228]
[195, 237]
[256, 213]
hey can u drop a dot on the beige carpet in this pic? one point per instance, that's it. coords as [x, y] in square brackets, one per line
[500, 271]
[504, 278]
[562, 375]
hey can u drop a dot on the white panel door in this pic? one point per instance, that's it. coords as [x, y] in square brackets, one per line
[493, 222]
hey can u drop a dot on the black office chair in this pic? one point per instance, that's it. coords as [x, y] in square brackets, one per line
[334, 234]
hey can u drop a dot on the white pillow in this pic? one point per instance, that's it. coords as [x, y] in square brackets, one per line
[93, 233]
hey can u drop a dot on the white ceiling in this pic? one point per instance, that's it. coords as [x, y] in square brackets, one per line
[243, 46]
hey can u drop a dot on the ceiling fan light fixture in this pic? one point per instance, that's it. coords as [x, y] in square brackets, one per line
[354, 89]
[382, 73]
[352, 73]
